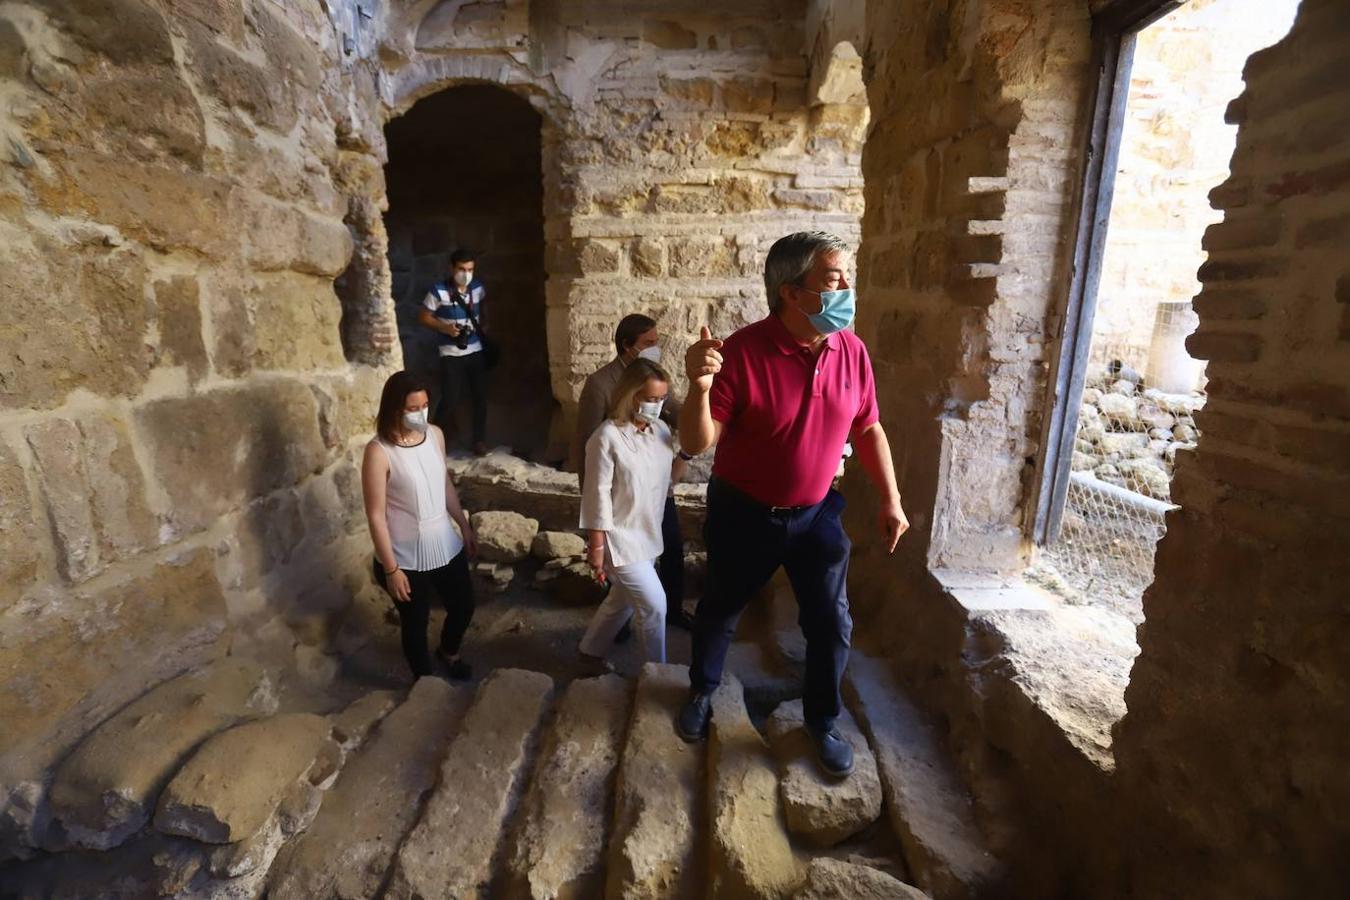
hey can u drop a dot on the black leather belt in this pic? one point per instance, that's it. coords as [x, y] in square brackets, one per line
[742, 497]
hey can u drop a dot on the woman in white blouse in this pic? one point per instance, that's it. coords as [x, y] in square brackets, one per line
[410, 502]
[629, 461]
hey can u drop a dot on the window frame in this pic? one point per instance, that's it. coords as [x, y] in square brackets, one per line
[1115, 29]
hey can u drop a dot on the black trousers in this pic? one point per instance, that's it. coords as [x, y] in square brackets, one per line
[462, 375]
[452, 584]
[671, 567]
[747, 542]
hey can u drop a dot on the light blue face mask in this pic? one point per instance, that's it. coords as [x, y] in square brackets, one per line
[836, 310]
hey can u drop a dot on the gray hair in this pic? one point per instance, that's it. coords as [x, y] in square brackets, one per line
[791, 257]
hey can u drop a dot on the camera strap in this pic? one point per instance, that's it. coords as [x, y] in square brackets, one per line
[454, 298]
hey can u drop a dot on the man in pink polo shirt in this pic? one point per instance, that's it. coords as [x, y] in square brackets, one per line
[779, 398]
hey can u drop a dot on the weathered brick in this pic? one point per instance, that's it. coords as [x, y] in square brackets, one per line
[1224, 346]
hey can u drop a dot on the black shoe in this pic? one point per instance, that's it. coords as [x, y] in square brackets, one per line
[624, 633]
[456, 668]
[678, 618]
[692, 722]
[834, 754]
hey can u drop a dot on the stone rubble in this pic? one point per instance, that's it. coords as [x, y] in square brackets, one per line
[832, 879]
[480, 782]
[106, 790]
[234, 782]
[503, 536]
[821, 810]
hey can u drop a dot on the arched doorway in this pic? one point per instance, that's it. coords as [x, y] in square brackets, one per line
[464, 170]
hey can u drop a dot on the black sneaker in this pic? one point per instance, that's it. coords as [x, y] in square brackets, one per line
[834, 754]
[692, 722]
[456, 668]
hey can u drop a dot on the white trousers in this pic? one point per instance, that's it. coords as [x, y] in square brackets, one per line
[635, 592]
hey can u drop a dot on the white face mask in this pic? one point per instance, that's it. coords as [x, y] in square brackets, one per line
[652, 353]
[417, 421]
[650, 410]
[463, 278]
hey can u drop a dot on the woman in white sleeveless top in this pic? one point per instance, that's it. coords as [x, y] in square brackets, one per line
[410, 502]
[629, 461]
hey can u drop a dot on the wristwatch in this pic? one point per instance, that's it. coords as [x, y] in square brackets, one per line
[684, 456]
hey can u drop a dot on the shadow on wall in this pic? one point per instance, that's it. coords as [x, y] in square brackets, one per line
[465, 171]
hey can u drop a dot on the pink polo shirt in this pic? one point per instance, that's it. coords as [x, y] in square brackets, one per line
[786, 413]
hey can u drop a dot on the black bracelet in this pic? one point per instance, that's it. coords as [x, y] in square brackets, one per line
[684, 456]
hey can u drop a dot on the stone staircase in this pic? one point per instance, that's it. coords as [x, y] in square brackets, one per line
[518, 788]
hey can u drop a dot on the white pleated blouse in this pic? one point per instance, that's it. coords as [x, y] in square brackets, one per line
[423, 536]
[627, 478]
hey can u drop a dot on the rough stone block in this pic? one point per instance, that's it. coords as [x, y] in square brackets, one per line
[835, 879]
[700, 258]
[239, 83]
[347, 851]
[65, 490]
[751, 854]
[669, 35]
[557, 545]
[164, 207]
[504, 536]
[236, 780]
[929, 807]
[253, 441]
[658, 798]
[559, 849]
[125, 31]
[18, 531]
[598, 258]
[748, 96]
[147, 630]
[126, 526]
[648, 258]
[823, 810]
[480, 781]
[296, 323]
[76, 318]
[178, 311]
[353, 725]
[106, 790]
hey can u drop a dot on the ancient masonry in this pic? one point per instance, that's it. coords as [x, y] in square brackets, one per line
[202, 296]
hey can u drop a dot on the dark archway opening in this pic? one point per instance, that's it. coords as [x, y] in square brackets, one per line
[464, 170]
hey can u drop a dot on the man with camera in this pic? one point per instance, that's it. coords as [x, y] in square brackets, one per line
[454, 310]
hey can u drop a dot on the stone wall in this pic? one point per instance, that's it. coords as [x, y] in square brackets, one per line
[197, 276]
[176, 408]
[679, 142]
[1237, 727]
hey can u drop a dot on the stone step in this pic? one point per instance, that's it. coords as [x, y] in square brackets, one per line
[929, 806]
[452, 849]
[559, 847]
[659, 797]
[833, 879]
[750, 851]
[347, 851]
[822, 810]
[106, 790]
[236, 780]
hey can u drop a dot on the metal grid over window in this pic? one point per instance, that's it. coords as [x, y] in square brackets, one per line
[1125, 448]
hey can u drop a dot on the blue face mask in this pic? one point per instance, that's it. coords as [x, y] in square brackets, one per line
[836, 310]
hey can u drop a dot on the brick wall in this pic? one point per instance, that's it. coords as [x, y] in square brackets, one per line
[1233, 748]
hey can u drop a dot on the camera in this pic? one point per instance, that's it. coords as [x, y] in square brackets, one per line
[465, 332]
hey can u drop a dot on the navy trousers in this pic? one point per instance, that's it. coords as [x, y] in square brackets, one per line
[746, 543]
[671, 567]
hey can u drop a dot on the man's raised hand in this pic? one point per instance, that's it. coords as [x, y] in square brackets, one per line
[702, 360]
